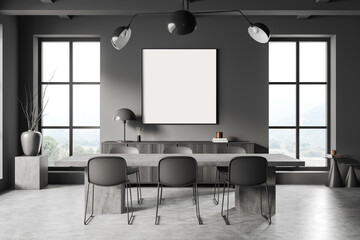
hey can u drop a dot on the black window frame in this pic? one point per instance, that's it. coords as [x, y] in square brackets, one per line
[297, 85]
[71, 84]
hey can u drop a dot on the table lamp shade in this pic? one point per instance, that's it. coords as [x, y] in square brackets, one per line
[124, 114]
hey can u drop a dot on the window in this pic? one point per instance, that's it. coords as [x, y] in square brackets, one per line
[299, 99]
[70, 81]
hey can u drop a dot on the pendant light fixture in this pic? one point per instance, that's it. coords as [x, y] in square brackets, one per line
[182, 22]
[121, 37]
[259, 32]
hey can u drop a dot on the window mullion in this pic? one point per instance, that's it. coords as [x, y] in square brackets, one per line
[71, 100]
[297, 100]
[328, 124]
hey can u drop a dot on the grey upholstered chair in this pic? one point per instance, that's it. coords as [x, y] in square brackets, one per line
[175, 172]
[105, 172]
[247, 171]
[180, 150]
[221, 170]
[131, 170]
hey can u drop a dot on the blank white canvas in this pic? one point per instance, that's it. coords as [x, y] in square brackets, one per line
[179, 86]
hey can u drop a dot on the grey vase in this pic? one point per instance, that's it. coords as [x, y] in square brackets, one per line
[31, 142]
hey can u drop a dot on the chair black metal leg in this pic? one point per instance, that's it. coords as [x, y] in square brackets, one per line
[157, 218]
[227, 208]
[268, 219]
[132, 216]
[87, 221]
[161, 198]
[194, 201]
[222, 208]
[225, 217]
[217, 182]
[138, 188]
[261, 201]
[218, 188]
[269, 205]
[197, 204]
[194, 194]
[127, 201]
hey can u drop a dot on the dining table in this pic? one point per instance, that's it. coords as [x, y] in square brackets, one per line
[108, 200]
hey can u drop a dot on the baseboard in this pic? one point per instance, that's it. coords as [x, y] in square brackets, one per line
[66, 177]
[302, 177]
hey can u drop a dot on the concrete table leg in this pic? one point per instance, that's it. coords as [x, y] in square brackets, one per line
[334, 179]
[107, 200]
[247, 199]
[351, 180]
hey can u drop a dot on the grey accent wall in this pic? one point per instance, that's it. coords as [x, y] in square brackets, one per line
[242, 72]
[10, 106]
[242, 113]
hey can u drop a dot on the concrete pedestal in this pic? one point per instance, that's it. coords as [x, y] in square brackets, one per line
[31, 172]
[247, 199]
[107, 200]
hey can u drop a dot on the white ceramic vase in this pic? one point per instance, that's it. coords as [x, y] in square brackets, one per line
[31, 142]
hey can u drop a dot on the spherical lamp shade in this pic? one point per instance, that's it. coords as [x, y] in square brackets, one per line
[181, 22]
[259, 32]
[120, 37]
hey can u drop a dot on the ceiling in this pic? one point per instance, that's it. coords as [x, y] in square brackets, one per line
[128, 7]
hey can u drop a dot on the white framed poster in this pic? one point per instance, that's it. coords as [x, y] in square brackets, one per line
[179, 86]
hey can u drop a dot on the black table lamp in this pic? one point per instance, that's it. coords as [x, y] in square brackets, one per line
[124, 114]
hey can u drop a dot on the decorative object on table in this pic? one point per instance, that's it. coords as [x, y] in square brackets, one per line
[139, 131]
[220, 140]
[31, 139]
[183, 22]
[219, 134]
[31, 142]
[124, 114]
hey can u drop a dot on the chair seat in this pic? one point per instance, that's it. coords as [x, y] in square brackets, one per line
[132, 170]
[223, 170]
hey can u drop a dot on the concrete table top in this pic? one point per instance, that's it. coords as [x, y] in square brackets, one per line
[152, 160]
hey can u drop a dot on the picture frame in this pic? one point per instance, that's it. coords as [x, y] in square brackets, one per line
[179, 86]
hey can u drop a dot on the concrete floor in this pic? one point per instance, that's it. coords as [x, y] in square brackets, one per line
[303, 212]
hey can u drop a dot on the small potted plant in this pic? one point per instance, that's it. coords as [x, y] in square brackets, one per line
[31, 140]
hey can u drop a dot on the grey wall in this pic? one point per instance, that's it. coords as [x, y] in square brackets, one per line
[242, 72]
[10, 84]
[242, 113]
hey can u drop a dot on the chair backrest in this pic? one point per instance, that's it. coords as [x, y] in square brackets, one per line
[248, 171]
[107, 171]
[181, 150]
[124, 150]
[177, 171]
[240, 150]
